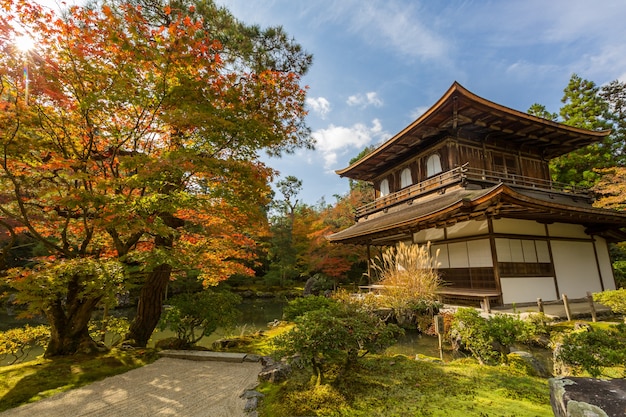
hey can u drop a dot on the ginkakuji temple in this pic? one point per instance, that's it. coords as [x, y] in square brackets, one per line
[471, 177]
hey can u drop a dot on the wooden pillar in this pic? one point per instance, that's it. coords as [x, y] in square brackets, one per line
[486, 305]
[494, 259]
[369, 266]
[595, 254]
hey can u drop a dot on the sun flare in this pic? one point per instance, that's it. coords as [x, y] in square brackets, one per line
[24, 43]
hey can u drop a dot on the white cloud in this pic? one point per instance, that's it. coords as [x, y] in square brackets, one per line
[418, 111]
[601, 65]
[365, 100]
[393, 24]
[339, 140]
[524, 69]
[319, 105]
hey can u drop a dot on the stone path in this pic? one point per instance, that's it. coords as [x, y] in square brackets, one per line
[167, 387]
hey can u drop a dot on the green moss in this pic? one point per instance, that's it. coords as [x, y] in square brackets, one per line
[397, 386]
[260, 343]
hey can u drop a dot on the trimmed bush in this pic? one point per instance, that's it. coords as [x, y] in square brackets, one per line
[613, 299]
[193, 316]
[335, 336]
[594, 350]
[298, 306]
[489, 340]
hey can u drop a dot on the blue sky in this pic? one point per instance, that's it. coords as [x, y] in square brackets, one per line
[378, 64]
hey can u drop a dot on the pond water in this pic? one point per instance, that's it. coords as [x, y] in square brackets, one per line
[255, 315]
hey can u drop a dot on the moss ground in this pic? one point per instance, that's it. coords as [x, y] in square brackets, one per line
[398, 386]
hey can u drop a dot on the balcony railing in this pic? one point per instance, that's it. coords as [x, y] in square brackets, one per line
[463, 175]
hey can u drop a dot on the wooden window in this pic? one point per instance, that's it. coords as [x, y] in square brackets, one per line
[384, 187]
[433, 165]
[524, 269]
[405, 178]
[505, 164]
[475, 278]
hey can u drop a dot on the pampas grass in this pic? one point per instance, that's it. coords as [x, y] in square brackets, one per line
[408, 274]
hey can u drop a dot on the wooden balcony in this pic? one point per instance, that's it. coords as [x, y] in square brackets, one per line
[466, 175]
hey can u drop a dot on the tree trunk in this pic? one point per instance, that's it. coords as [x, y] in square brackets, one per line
[153, 291]
[69, 331]
[149, 307]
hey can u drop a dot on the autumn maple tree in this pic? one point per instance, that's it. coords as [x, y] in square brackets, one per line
[299, 247]
[134, 157]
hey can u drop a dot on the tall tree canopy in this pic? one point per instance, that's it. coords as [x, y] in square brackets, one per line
[589, 106]
[137, 144]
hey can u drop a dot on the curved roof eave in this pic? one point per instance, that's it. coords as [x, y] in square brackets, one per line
[360, 232]
[458, 89]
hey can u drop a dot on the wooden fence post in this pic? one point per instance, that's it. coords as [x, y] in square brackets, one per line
[592, 307]
[567, 310]
[439, 329]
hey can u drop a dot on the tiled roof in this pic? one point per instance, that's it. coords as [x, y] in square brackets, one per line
[461, 204]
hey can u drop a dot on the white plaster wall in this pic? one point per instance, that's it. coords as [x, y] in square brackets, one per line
[428, 235]
[575, 267]
[470, 228]
[567, 230]
[519, 227]
[605, 263]
[526, 290]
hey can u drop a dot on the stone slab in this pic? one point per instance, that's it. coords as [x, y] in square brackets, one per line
[588, 397]
[202, 355]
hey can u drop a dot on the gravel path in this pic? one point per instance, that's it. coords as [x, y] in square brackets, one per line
[167, 387]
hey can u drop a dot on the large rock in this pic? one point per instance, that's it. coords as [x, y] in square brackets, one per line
[274, 371]
[588, 397]
[527, 362]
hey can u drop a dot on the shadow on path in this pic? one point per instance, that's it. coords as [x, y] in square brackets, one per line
[172, 387]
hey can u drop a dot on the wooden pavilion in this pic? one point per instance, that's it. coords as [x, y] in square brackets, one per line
[471, 177]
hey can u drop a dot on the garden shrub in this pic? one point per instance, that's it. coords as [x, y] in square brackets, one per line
[619, 269]
[193, 316]
[299, 306]
[19, 341]
[335, 336]
[591, 351]
[489, 340]
[114, 327]
[614, 299]
[318, 284]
